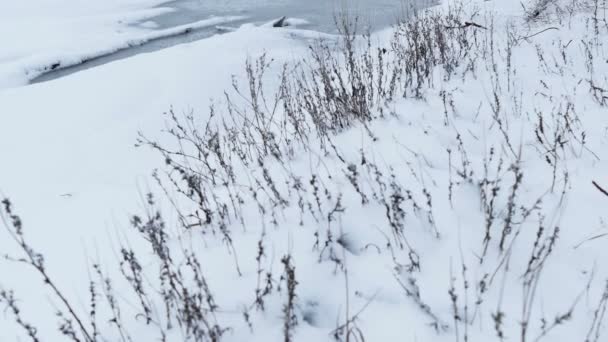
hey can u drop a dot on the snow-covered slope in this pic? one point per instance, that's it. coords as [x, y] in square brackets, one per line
[68, 155]
[43, 35]
[471, 209]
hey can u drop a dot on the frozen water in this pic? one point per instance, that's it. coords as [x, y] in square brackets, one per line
[319, 13]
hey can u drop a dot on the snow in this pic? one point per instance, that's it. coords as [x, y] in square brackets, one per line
[42, 35]
[58, 144]
[70, 166]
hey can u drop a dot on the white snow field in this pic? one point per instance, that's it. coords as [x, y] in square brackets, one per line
[461, 200]
[68, 145]
[42, 35]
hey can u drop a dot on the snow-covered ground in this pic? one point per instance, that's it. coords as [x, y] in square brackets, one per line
[387, 228]
[42, 35]
[68, 155]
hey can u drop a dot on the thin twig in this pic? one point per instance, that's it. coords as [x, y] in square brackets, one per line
[597, 186]
[537, 33]
[590, 239]
[466, 24]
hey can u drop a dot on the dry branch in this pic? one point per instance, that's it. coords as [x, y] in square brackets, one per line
[597, 186]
